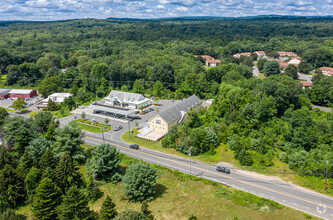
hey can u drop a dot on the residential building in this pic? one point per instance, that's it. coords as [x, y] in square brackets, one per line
[158, 126]
[4, 93]
[58, 98]
[245, 54]
[213, 63]
[327, 71]
[22, 93]
[295, 61]
[287, 54]
[261, 54]
[306, 85]
[207, 57]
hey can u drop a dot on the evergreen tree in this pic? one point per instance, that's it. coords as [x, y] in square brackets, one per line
[11, 186]
[192, 217]
[74, 205]
[271, 67]
[51, 106]
[47, 198]
[108, 210]
[5, 157]
[130, 215]
[11, 215]
[26, 163]
[92, 191]
[146, 212]
[291, 71]
[104, 162]
[47, 160]
[38, 147]
[31, 182]
[67, 174]
[51, 131]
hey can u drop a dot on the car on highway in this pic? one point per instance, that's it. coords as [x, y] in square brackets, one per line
[117, 128]
[223, 170]
[135, 146]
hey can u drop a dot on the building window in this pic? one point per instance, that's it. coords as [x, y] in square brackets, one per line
[158, 122]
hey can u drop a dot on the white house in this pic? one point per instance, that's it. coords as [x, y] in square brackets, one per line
[327, 71]
[261, 54]
[295, 61]
[213, 63]
[287, 54]
[245, 54]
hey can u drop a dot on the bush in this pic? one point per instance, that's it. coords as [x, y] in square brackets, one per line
[139, 182]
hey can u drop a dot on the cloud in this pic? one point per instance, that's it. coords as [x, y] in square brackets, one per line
[67, 9]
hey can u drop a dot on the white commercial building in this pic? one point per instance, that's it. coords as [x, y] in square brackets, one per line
[58, 98]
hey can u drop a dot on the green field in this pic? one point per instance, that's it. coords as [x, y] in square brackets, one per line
[95, 128]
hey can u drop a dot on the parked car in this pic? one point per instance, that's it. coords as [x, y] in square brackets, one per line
[151, 109]
[117, 128]
[135, 146]
[223, 170]
[136, 112]
[137, 117]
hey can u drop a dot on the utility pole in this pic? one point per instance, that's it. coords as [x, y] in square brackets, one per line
[189, 150]
[103, 133]
[129, 127]
[326, 174]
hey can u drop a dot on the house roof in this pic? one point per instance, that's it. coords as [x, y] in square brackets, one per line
[177, 111]
[214, 61]
[325, 68]
[260, 52]
[306, 84]
[125, 96]
[20, 91]
[281, 53]
[204, 56]
[4, 91]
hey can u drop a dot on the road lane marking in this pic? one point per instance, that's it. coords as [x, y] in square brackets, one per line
[218, 174]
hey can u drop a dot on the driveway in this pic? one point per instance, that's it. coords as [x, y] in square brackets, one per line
[255, 71]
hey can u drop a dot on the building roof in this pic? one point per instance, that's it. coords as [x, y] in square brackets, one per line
[306, 84]
[20, 91]
[214, 61]
[126, 97]
[282, 53]
[261, 52]
[4, 91]
[207, 57]
[325, 68]
[177, 111]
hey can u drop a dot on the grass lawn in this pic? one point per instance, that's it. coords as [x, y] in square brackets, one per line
[89, 127]
[261, 76]
[211, 159]
[56, 114]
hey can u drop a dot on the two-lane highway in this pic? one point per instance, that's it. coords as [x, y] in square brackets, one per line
[284, 193]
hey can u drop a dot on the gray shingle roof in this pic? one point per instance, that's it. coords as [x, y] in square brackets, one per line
[125, 95]
[174, 113]
[4, 91]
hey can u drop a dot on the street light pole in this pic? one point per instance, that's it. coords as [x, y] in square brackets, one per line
[129, 127]
[326, 174]
[189, 150]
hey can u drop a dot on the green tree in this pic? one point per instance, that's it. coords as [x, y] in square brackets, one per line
[92, 190]
[304, 67]
[10, 214]
[146, 212]
[104, 162]
[139, 182]
[11, 186]
[51, 105]
[138, 87]
[106, 121]
[83, 115]
[260, 64]
[43, 121]
[108, 210]
[130, 215]
[192, 217]
[47, 160]
[31, 182]
[67, 174]
[74, 205]
[271, 67]
[158, 89]
[49, 85]
[47, 198]
[68, 140]
[291, 71]
[19, 104]
[3, 115]
[38, 147]
[5, 157]
[26, 162]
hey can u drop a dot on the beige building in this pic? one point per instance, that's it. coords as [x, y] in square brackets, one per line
[158, 126]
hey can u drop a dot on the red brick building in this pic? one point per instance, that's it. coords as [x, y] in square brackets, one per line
[4, 94]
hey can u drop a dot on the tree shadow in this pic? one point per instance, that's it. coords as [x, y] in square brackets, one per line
[160, 189]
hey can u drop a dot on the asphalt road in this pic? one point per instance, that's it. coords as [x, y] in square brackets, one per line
[255, 71]
[284, 193]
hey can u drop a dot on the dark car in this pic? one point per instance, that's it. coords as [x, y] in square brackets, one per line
[223, 169]
[151, 109]
[117, 128]
[134, 146]
[136, 112]
[137, 117]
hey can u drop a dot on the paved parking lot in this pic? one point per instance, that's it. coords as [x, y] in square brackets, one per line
[6, 103]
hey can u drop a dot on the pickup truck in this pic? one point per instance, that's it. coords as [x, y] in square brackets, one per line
[223, 170]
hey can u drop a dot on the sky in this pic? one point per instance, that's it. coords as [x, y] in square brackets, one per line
[46, 10]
